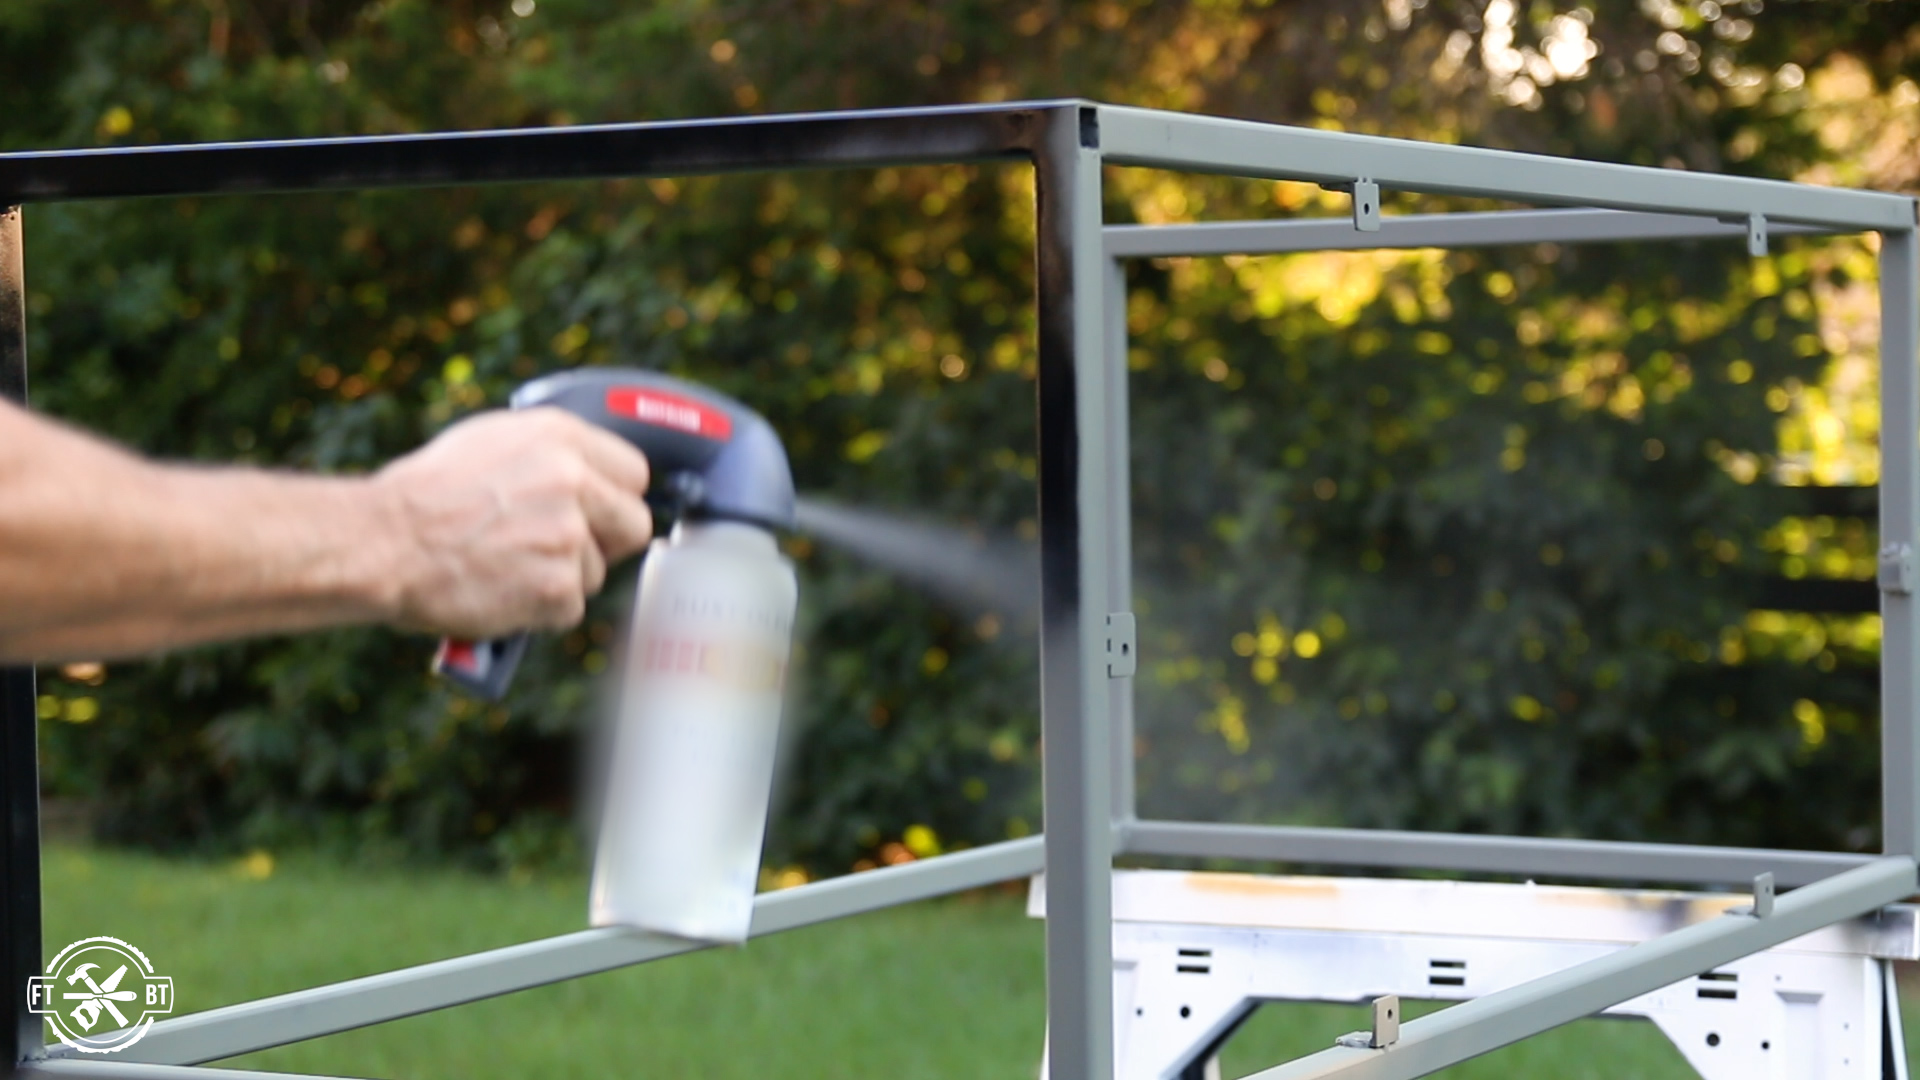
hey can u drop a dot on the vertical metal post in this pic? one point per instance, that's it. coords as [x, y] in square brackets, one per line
[1119, 528]
[19, 754]
[1899, 533]
[13, 309]
[1077, 762]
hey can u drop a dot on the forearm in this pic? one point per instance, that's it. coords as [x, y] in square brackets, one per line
[104, 554]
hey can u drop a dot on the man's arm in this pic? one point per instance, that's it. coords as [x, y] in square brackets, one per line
[506, 521]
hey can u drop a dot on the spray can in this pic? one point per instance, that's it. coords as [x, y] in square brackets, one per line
[698, 716]
[697, 726]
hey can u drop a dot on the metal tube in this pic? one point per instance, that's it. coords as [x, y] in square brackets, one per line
[1893, 1035]
[97, 1069]
[1207, 144]
[342, 1006]
[20, 959]
[1119, 527]
[1606, 860]
[1899, 537]
[863, 139]
[1078, 762]
[892, 886]
[13, 307]
[1421, 231]
[1474, 1027]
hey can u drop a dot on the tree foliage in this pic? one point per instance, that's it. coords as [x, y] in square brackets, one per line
[1443, 540]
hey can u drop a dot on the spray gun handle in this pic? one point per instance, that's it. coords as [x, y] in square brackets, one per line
[711, 456]
[482, 669]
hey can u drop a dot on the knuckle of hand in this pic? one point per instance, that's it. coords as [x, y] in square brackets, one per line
[548, 420]
[579, 535]
[642, 530]
[565, 469]
[560, 540]
[559, 594]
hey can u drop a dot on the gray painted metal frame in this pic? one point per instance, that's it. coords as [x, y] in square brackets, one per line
[1205, 144]
[1421, 231]
[1834, 881]
[325, 1010]
[1088, 775]
[1487, 1023]
[1521, 856]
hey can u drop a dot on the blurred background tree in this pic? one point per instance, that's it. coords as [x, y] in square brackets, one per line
[1471, 540]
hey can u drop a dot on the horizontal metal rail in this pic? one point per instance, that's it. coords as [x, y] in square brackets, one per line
[1205, 144]
[324, 1010]
[860, 139]
[1602, 860]
[1475, 1027]
[114, 1069]
[1422, 231]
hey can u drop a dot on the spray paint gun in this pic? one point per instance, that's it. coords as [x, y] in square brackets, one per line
[699, 711]
[712, 459]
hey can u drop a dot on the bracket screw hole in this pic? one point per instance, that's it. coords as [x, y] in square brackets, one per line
[1185, 1011]
[1713, 1038]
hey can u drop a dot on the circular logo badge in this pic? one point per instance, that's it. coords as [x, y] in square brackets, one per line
[100, 995]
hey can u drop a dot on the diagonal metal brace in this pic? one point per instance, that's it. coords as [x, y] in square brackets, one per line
[1475, 1027]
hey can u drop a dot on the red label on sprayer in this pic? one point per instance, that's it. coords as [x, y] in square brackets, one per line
[457, 654]
[670, 411]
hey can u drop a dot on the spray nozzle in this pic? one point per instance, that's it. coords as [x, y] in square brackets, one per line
[685, 493]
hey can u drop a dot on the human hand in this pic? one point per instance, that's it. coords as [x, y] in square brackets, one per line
[509, 521]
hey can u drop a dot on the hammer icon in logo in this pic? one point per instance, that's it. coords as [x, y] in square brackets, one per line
[87, 1013]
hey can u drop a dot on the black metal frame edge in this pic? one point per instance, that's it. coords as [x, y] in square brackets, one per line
[863, 139]
[23, 1037]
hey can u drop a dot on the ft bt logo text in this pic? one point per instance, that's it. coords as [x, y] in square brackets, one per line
[100, 995]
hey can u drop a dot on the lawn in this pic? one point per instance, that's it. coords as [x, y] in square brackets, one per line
[946, 989]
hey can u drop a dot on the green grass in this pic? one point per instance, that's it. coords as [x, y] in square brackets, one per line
[947, 989]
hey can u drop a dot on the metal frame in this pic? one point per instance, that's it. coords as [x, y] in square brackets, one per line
[1087, 774]
[1195, 954]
